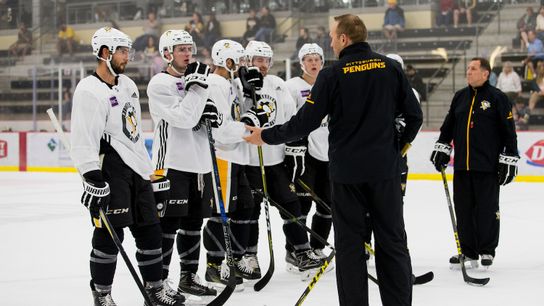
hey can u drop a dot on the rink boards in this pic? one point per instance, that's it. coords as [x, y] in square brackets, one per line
[42, 151]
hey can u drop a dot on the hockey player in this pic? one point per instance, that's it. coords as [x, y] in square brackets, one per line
[308, 159]
[178, 103]
[109, 152]
[275, 94]
[232, 157]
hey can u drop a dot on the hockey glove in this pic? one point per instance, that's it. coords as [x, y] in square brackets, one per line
[96, 195]
[196, 73]
[161, 191]
[250, 77]
[441, 156]
[508, 168]
[294, 159]
[210, 113]
[257, 117]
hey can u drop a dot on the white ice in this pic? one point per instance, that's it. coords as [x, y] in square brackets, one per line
[45, 244]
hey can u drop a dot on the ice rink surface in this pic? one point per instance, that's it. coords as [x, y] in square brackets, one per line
[45, 244]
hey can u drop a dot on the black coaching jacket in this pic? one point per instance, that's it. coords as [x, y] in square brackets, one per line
[481, 125]
[362, 93]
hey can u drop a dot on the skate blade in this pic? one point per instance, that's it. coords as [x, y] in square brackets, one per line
[468, 266]
[220, 286]
[291, 268]
[197, 300]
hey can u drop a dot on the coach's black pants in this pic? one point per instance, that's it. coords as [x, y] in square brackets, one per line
[476, 198]
[350, 203]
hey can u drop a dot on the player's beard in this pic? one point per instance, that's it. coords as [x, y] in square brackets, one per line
[118, 67]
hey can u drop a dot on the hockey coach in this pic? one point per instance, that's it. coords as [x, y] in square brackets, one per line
[361, 93]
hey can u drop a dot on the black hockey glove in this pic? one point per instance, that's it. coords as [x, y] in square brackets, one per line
[96, 195]
[441, 155]
[508, 168]
[210, 113]
[196, 73]
[400, 124]
[250, 77]
[294, 161]
[257, 117]
[161, 191]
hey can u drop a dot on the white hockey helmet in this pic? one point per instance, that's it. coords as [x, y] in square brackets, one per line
[311, 48]
[225, 49]
[172, 38]
[397, 58]
[111, 38]
[258, 48]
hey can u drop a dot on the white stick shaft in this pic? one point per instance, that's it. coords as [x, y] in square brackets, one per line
[58, 128]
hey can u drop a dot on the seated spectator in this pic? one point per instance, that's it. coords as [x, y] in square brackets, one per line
[65, 40]
[539, 27]
[526, 23]
[152, 56]
[267, 26]
[195, 27]
[324, 41]
[509, 82]
[303, 38]
[212, 32]
[445, 13]
[416, 82]
[535, 52]
[152, 27]
[537, 87]
[462, 9]
[393, 21]
[521, 115]
[252, 25]
[23, 45]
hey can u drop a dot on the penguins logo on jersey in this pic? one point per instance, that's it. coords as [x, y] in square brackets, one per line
[130, 124]
[269, 104]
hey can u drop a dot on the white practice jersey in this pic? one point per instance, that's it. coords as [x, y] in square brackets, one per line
[230, 145]
[179, 141]
[276, 94]
[113, 114]
[318, 140]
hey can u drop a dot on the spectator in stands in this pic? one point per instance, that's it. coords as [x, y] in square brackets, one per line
[195, 27]
[416, 82]
[462, 9]
[393, 20]
[535, 52]
[526, 23]
[509, 82]
[65, 40]
[152, 27]
[206, 58]
[537, 87]
[152, 56]
[521, 115]
[539, 27]
[303, 38]
[324, 41]
[445, 14]
[267, 26]
[252, 25]
[23, 45]
[212, 32]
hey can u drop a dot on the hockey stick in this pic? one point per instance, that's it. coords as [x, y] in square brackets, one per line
[466, 277]
[103, 217]
[416, 280]
[327, 261]
[259, 285]
[231, 283]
